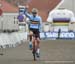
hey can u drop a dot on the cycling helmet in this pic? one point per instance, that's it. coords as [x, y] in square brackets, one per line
[34, 11]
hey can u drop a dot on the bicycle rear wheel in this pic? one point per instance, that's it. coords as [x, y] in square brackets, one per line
[34, 51]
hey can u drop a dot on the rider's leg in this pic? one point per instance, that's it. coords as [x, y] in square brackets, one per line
[37, 36]
[38, 46]
[34, 44]
[30, 42]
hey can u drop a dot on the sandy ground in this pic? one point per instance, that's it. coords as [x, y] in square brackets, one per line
[52, 52]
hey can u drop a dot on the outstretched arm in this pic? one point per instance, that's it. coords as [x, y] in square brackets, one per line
[27, 14]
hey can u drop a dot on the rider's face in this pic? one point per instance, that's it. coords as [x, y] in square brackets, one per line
[34, 13]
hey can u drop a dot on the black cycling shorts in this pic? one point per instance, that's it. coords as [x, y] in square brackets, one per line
[36, 32]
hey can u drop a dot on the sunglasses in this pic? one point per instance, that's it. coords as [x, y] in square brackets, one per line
[34, 12]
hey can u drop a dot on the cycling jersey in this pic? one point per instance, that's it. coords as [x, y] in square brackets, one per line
[35, 22]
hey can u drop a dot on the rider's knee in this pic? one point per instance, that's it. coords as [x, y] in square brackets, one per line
[30, 33]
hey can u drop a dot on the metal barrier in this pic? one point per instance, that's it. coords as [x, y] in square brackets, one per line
[12, 40]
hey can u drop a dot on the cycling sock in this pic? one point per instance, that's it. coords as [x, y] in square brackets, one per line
[38, 50]
[30, 43]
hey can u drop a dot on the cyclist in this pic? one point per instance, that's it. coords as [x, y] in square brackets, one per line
[35, 27]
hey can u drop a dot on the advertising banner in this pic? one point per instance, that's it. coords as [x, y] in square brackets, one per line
[56, 35]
